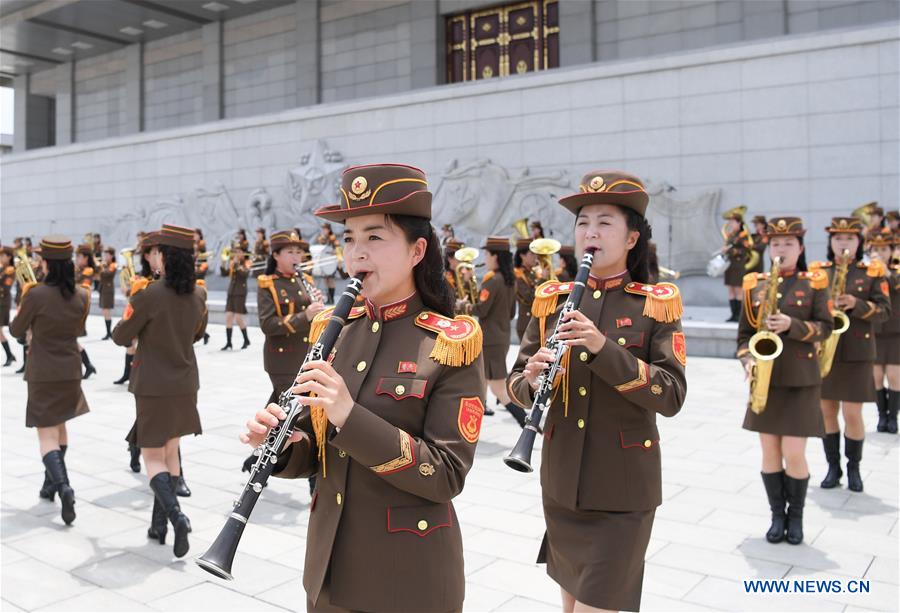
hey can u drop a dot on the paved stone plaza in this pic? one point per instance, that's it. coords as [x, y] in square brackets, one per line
[707, 538]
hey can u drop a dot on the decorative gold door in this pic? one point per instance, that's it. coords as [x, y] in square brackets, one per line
[500, 41]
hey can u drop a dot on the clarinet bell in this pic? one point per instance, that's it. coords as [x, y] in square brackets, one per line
[520, 457]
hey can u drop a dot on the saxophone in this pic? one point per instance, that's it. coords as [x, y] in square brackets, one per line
[841, 320]
[765, 345]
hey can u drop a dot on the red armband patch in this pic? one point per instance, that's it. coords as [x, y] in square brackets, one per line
[471, 412]
[679, 347]
[484, 295]
[129, 311]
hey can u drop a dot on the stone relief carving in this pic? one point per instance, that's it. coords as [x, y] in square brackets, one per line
[685, 231]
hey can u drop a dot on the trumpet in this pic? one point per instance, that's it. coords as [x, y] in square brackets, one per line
[328, 259]
[520, 457]
[24, 271]
[126, 275]
[765, 345]
[468, 290]
[545, 248]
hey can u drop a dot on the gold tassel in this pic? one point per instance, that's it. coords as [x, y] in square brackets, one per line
[750, 281]
[320, 427]
[818, 279]
[664, 310]
[875, 269]
[544, 306]
[318, 325]
[458, 352]
[565, 381]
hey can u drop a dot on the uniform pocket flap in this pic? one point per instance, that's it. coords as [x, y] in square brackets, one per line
[645, 437]
[626, 339]
[420, 520]
[804, 354]
[398, 388]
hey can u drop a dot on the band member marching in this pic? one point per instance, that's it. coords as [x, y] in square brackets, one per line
[859, 293]
[286, 310]
[568, 266]
[260, 246]
[237, 270]
[600, 468]
[107, 288]
[167, 318]
[785, 316]
[400, 413]
[738, 244]
[84, 276]
[526, 280]
[760, 242]
[201, 265]
[54, 311]
[495, 308]
[887, 339]
[7, 279]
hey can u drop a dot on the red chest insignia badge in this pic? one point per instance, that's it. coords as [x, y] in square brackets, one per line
[679, 347]
[471, 412]
[409, 367]
[625, 322]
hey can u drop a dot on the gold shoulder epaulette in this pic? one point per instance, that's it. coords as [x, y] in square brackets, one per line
[663, 300]
[818, 264]
[201, 283]
[320, 321]
[546, 297]
[139, 284]
[487, 276]
[459, 338]
[817, 278]
[9, 270]
[264, 281]
[519, 273]
[87, 271]
[876, 268]
[751, 280]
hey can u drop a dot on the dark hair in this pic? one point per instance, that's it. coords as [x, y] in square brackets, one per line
[199, 233]
[61, 274]
[180, 274]
[505, 266]
[146, 271]
[90, 258]
[860, 251]
[517, 259]
[271, 264]
[570, 264]
[429, 273]
[638, 261]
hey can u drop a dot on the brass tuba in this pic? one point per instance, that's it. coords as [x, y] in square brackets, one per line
[841, 320]
[545, 248]
[466, 291]
[24, 271]
[126, 276]
[765, 345]
[521, 227]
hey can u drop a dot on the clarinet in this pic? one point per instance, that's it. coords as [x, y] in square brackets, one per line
[311, 289]
[218, 559]
[520, 457]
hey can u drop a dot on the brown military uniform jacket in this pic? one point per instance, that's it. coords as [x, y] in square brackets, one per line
[166, 325]
[381, 519]
[237, 284]
[495, 309]
[873, 305]
[56, 324]
[602, 451]
[7, 279]
[803, 297]
[760, 243]
[107, 283]
[281, 303]
[890, 327]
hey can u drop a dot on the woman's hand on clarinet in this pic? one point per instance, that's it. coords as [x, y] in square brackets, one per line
[537, 364]
[314, 309]
[577, 329]
[264, 420]
[320, 378]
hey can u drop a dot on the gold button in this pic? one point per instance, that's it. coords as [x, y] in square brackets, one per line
[426, 469]
[280, 349]
[399, 390]
[867, 335]
[305, 339]
[597, 294]
[375, 326]
[582, 391]
[778, 295]
[342, 454]
[361, 366]
[581, 424]
[583, 356]
[648, 443]
[422, 525]
[339, 498]
[423, 316]
[799, 303]
[780, 280]
[621, 341]
[809, 355]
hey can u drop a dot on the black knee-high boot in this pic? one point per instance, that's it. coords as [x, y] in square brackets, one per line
[796, 499]
[108, 323]
[881, 401]
[832, 445]
[48, 490]
[246, 338]
[517, 412]
[181, 488]
[735, 306]
[126, 375]
[56, 468]
[159, 524]
[10, 358]
[227, 339]
[24, 359]
[893, 405]
[164, 489]
[775, 491]
[853, 453]
[135, 460]
[330, 295]
[88, 367]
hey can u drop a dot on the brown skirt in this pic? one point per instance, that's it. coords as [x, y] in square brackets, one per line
[734, 274]
[279, 384]
[51, 403]
[887, 349]
[236, 304]
[597, 556]
[495, 361]
[160, 418]
[790, 411]
[850, 381]
[107, 298]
